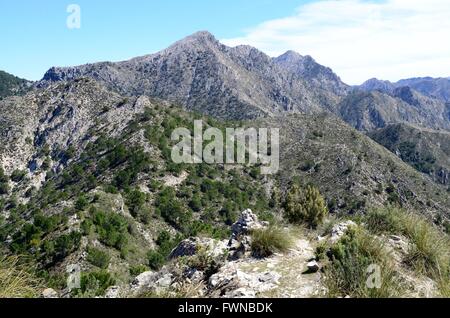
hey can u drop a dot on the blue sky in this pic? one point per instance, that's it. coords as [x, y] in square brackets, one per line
[35, 36]
[358, 39]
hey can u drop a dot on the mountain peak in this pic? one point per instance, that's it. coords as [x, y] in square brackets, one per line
[376, 84]
[201, 36]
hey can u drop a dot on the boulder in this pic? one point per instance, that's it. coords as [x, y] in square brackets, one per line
[50, 293]
[144, 280]
[240, 241]
[187, 247]
[152, 282]
[313, 267]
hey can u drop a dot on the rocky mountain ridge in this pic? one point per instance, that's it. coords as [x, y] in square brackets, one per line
[242, 82]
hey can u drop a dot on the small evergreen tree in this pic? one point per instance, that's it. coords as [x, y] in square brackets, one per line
[305, 205]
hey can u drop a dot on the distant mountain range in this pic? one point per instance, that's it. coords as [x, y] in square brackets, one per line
[202, 74]
[438, 88]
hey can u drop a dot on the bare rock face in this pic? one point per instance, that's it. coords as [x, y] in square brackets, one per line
[113, 292]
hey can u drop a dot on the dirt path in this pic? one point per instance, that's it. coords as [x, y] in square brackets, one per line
[293, 281]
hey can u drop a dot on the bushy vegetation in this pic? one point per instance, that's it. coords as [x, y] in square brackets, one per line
[205, 261]
[4, 186]
[112, 228]
[32, 238]
[98, 257]
[424, 162]
[17, 279]
[206, 203]
[95, 283]
[18, 175]
[351, 258]
[157, 258]
[429, 252]
[11, 85]
[268, 241]
[172, 210]
[305, 205]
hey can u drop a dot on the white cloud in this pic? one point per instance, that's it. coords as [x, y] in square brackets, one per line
[359, 39]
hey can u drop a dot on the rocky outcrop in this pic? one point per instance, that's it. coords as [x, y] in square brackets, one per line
[231, 282]
[152, 282]
[192, 246]
[247, 222]
[240, 242]
[340, 229]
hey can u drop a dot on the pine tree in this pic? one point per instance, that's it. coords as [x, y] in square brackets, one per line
[305, 205]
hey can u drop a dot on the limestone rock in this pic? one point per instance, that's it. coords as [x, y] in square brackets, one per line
[340, 229]
[50, 293]
[231, 282]
[191, 246]
[113, 292]
[247, 222]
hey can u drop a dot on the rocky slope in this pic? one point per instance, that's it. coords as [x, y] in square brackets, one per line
[11, 85]
[351, 169]
[438, 88]
[201, 74]
[426, 150]
[367, 111]
[87, 180]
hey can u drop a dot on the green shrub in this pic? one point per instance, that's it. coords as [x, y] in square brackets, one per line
[196, 203]
[4, 187]
[18, 175]
[155, 260]
[172, 210]
[204, 261]
[66, 244]
[96, 283]
[429, 253]
[98, 258]
[81, 203]
[351, 259]
[137, 270]
[266, 242]
[112, 229]
[135, 200]
[305, 206]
